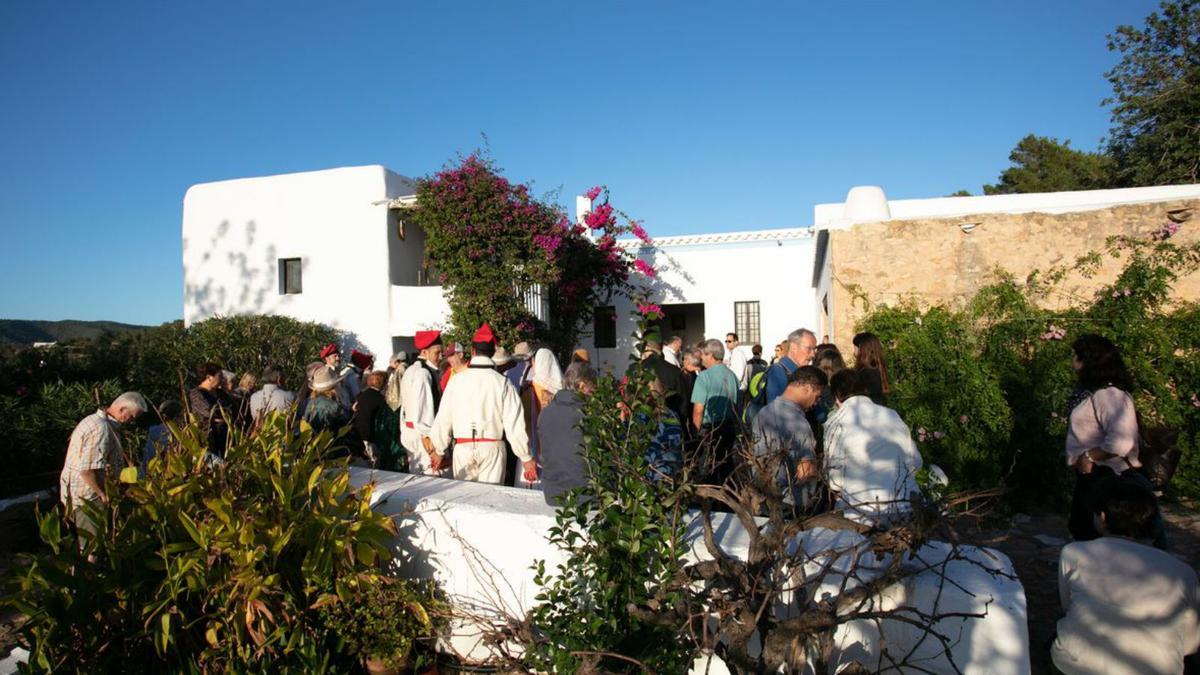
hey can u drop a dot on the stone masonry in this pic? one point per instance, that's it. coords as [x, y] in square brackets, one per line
[933, 261]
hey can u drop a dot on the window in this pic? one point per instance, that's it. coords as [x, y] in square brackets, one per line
[604, 334]
[289, 276]
[745, 322]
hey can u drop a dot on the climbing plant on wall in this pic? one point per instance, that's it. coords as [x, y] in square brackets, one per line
[495, 245]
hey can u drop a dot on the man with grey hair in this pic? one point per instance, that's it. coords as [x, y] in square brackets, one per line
[272, 397]
[671, 351]
[559, 436]
[801, 347]
[714, 411]
[94, 454]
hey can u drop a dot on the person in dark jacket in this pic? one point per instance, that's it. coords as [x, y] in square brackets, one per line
[559, 436]
[671, 378]
[373, 419]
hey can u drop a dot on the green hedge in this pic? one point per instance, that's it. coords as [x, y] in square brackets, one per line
[992, 378]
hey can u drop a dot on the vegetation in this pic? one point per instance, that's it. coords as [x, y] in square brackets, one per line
[204, 567]
[1155, 139]
[984, 386]
[24, 332]
[624, 538]
[500, 253]
[45, 392]
[1046, 165]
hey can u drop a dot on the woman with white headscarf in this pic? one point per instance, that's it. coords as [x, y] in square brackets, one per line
[546, 375]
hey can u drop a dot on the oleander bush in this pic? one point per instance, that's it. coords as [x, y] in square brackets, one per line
[984, 386]
[35, 428]
[209, 566]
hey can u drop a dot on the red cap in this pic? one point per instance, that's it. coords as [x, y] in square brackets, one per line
[327, 350]
[451, 349]
[425, 339]
[484, 334]
[363, 360]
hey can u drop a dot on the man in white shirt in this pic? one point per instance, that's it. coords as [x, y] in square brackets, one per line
[1130, 608]
[671, 351]
[736, 360]
[871, 460]
[420, 396]
[480, 409]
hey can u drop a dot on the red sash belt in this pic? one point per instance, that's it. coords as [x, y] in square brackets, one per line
[476, 440]
[409, 425]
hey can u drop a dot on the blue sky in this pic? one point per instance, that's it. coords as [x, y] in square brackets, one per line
[700, 116]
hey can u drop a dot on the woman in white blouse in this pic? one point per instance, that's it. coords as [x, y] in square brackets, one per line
[1102, 433]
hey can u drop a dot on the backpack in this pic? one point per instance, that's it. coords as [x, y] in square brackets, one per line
[757, 388]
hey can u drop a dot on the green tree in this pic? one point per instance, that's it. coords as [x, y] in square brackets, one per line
[1155, 137]
[1043, 164]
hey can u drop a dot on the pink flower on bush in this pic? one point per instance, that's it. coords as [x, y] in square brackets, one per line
[963, 419]
[648, 308]
[1165, 232]
[1127, 292]
[599, 217]
[921, 433]
[939, 435]
[1053, 333]
[645, 268]
[548, 243]
[593, 193]
[640, 232]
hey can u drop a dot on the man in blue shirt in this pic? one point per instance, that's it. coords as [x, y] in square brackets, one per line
[802, 346]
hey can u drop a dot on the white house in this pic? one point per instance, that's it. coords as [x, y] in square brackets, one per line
[325, 246]
[332, 247]
[755, 283]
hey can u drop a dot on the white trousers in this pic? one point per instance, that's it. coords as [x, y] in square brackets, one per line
[479, 462]
[418, 459]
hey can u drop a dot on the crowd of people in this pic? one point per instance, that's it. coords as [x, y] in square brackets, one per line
[810, 424]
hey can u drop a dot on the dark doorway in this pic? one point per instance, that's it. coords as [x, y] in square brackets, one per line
[685, 320]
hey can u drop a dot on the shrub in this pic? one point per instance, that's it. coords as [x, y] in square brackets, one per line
[624, 538]
[492, 242]
[36, 428]
[995, 376]
[203, 566]
[164, 356]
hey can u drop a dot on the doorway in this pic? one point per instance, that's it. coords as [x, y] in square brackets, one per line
[684, 320]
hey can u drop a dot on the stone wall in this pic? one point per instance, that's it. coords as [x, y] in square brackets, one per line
[933, 261]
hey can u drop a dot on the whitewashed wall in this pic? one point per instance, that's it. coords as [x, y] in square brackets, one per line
[480, 542]
[718, 270]
[337, 221]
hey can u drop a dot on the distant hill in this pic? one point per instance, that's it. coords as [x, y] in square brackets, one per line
[22, 332]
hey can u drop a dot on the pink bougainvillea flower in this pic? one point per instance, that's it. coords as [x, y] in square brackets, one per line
[640, 232]
[647, 309]
[593, 193]
[1127, 292]
[964, 419]
[645, 268]
[939, 435]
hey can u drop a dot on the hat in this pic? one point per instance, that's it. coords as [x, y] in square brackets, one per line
[484, 334]
[425, 339]
[328, 350]
[311, 369]
[501, 357]
[399, 357]
[363, 360]
[324, 379]
[452, 349]
[522, 351]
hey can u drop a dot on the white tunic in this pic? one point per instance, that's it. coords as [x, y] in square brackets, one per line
[871, 460]
[480, 408]
[416, 402]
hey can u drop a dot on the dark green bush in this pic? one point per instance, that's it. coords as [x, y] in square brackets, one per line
[995, 377]
[35, 429]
